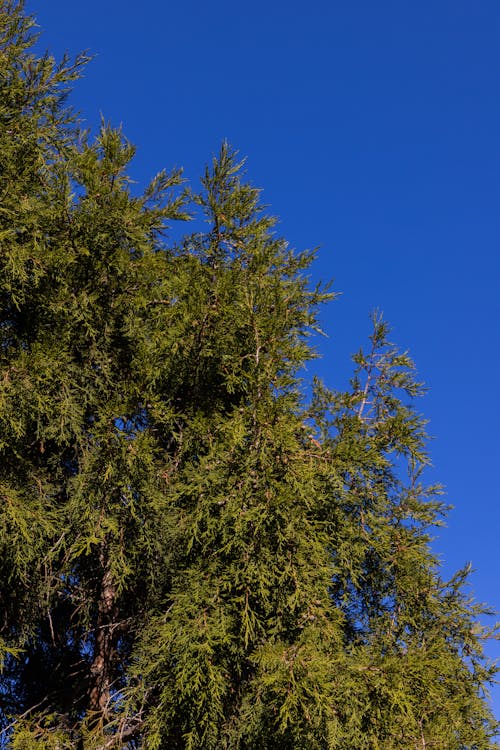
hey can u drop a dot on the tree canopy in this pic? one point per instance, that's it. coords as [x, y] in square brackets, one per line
[198, 550]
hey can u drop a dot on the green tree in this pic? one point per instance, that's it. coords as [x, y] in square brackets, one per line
[191, 555]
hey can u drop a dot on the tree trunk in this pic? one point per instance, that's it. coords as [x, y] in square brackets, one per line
[101, 671]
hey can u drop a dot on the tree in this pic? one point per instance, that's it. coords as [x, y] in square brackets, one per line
[192, 555]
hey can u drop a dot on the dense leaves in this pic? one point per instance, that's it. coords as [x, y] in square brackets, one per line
[192, 556]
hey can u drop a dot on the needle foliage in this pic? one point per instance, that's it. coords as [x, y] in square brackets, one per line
[195, 552]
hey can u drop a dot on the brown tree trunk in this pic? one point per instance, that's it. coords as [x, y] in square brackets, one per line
[101, 670]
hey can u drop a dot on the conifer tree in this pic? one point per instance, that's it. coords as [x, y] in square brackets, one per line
[191, 556]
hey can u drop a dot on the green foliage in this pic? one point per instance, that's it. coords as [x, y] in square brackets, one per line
[190, 556]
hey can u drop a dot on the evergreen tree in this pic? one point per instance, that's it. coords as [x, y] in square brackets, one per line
[191, 555]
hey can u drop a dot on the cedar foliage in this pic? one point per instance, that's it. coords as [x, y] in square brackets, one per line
[192, 556]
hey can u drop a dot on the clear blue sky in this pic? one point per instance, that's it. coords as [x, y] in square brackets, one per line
[374, 129]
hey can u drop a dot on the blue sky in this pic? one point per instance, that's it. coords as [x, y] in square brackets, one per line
[373, 128]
